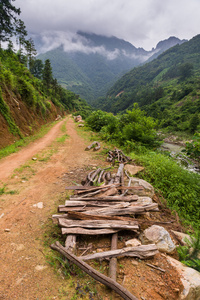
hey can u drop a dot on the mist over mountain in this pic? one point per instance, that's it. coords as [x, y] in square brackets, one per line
[89, 64]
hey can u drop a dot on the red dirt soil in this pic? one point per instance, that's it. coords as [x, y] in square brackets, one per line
[25, 273]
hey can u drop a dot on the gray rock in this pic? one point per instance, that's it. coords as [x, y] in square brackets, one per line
[147, 191]
[158, 235]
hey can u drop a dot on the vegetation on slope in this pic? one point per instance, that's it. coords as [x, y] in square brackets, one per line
[167, 88]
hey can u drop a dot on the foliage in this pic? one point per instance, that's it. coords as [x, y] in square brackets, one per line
[178, 186]
[167, 88]
[132, 126]
[17, 82]
[193, 148]
[98, 119]
[188, 254]
[8, 19]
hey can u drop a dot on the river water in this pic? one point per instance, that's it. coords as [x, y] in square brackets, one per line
[186, 162]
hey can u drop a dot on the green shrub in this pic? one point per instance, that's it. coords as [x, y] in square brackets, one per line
[98, 119]
[193, 148]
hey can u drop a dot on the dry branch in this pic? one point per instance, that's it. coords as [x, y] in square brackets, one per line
[142, 252]
[94, 274]
[97, 147]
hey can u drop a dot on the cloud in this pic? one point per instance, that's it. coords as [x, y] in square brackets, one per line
[72, 42]
[142, 22]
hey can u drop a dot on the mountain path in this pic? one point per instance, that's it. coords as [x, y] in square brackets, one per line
[26, 229]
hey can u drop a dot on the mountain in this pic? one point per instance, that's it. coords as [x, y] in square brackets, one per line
[89, 64]
[167, 88]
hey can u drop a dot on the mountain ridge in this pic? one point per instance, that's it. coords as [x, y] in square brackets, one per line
[91, 65]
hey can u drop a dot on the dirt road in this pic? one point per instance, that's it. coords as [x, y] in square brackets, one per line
[25, 273]
[30, 197]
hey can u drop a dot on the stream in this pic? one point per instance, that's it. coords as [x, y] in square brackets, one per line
[186, 162]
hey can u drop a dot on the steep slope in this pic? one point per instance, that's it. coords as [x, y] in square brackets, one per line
[96, 62]
[24, 103]
[167, 88]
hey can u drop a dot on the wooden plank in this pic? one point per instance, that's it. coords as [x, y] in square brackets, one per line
[100, 224]
[142, 252]
[84, 216]
[113, 261]
[69, 203]
[79, 230]
[85, 208]
[128, 198]
[94, 274]
[76, 187]
[117, 211]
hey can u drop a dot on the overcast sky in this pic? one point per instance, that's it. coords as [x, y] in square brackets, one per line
[141, 22]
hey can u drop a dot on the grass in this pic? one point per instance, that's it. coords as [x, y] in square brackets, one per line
[25, 141]
[179, 187]
[4, 192]
[62, 139]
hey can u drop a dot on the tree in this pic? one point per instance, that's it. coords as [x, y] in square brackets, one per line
[36, 68]
[8, 19]
[185, 70]
[21, 33]
[31, 51]
[47, 74]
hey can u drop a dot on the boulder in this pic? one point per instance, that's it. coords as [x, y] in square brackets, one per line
[148, 189]
[190, 279]
[158, 235]
[132, 170]
[133, 243]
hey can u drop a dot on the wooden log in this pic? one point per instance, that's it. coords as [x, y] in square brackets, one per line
[85, 208]
[94, 193]
[100, 176]
[79, 230]
[128, 198]
[84, 216]
[110, 192]
[92, 177]
[94, 274]
[69, 203]
[91, 145]
[92, 189]
[98, 224]
[119, 174]
[142, 252]
[117, 211]
[70, 243]
[97, 147]
[76, 187]
[113, 261]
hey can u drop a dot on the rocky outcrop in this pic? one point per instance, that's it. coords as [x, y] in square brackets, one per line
[190, 279]
[158, 235]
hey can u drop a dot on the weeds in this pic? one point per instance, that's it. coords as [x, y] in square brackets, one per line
[189, 254]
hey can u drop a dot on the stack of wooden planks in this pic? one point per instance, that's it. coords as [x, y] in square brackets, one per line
[103, 210]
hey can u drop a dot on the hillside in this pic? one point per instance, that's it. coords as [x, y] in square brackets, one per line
[167, 88]
[92, 63]
[25, 104]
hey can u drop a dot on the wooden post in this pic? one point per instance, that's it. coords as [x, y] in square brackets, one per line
[113, 261]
